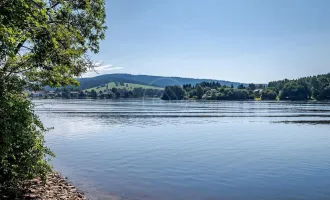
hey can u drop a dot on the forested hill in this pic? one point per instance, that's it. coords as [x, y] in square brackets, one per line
[160, 81]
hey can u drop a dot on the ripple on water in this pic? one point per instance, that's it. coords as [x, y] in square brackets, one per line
[152, 149]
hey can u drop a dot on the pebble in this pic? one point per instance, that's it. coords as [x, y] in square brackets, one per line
[56, 188]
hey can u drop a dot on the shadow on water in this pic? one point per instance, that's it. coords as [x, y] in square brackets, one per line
[310, 122]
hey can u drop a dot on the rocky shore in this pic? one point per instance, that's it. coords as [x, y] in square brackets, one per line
[56, 187]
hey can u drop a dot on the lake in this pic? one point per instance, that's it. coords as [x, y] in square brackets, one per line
[191, 150]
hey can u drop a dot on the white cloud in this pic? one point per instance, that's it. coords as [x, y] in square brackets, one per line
[103, 69]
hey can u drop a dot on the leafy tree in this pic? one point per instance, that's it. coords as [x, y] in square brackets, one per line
[173, 93]
[199, 91]
[66, 94]
[268, 94]
[114, 90]
[240, 94]
[252, 86]
[82, 95]
[138, 92]
[241, 86]
[93, 94]
[42, 42]
[109, 95]
[117, 94]
[326, 92]
[302, 88]
[294, 91]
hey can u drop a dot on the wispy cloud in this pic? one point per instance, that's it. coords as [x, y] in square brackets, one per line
[103, 69]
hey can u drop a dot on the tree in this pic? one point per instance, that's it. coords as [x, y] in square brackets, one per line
[294, 91]
[173, 93]
[114, 90]
[240, 86]
[82, 95]
[42, 42]
[326, 92]
[109, 95]
[252, 86]
[268, 94]
[199, 92]
[302, 88]
[93, 94]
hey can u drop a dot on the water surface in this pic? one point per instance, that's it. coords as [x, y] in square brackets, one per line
[151, 149]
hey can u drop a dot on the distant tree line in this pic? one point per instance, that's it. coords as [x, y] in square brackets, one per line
[113, 93]
[312, 87]
[211, 91]
[308, 88]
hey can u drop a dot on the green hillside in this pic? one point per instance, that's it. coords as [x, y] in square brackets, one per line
[127, 86]
[158, 81]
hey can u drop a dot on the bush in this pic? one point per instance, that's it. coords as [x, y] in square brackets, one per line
[23, 155]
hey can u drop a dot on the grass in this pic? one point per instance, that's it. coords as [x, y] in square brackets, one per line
[127, 86]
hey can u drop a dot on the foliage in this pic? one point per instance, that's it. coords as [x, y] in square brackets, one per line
[199, 92]
[173, 93]
[93, 94]
[22, 150]
[215, 91]
[241, 86]
[46, 42]
[314, 87]
[234, 94]
[120, 92]
[42, 42]
[268, 94]
[294, 91]
[82, 95]
[252, 86]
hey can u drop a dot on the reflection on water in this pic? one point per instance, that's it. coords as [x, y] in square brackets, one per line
[151, 149]
[312, 122]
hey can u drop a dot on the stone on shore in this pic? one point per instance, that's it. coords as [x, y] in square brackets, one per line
[56, 187]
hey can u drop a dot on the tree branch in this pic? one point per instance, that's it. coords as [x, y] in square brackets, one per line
[27, 47]
[55, 5]
[18, 47]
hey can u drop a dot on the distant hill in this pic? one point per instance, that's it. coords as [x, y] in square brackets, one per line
[127, 86]
[157, 81]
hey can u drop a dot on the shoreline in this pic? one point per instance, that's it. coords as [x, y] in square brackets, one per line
[56, 187]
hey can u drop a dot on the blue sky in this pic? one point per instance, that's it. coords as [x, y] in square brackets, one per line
[237, 40]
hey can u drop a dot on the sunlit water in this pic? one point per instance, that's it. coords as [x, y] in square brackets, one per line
[188, 150]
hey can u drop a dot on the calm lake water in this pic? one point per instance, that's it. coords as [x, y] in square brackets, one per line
[188, 150]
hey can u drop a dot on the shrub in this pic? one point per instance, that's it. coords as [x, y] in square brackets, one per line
[23, 154]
